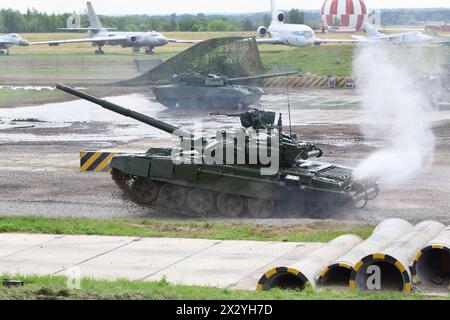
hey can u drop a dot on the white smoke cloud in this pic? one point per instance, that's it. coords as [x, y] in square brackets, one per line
[395, 109]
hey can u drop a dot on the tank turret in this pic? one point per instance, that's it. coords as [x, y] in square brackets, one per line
[256, 169]
[204, 79]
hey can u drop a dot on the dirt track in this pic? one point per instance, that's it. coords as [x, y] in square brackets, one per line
[40, 176]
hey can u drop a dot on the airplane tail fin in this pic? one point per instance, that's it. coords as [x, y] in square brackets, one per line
[371, 30]
[277, 16]
[93, 18]
[273, 9]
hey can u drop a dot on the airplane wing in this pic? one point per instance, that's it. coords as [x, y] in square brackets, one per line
[360, 38]
[184, 41]
[91, 40]
[85, 29]
[367, 39]
[270, 41]
[373, 39]
[441, 41]
[320, 41]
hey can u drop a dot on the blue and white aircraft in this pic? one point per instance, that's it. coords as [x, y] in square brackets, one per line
[295, 35]
[99, 37]
[10, 40]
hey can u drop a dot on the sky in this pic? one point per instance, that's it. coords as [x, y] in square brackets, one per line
[114, 7]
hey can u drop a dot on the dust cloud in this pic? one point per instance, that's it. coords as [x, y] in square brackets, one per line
[395, 109]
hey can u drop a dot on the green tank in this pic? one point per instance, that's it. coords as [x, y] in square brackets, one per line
[205, 90]
[230, 175]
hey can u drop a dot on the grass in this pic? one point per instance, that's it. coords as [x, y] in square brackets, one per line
[10, 98]
[306, 231]
[52, 288]
[318, 60]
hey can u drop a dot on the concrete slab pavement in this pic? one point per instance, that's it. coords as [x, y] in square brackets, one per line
[143, 258]
[224, 264]
[59, 254]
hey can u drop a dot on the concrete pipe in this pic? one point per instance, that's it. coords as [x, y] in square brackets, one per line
[307, 269]
[432, 264]
[338, 273]
[388, 269]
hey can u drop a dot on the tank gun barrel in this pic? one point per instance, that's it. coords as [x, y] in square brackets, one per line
[123, 111]
[264, 76]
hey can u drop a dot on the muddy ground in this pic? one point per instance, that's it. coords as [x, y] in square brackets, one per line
[39, 167]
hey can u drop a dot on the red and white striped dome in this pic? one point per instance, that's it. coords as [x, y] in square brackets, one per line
[351, 13]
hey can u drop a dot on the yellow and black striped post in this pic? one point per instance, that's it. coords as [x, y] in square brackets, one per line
[95, 161]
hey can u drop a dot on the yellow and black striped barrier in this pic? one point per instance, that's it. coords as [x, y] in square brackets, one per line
[95, 161]
[309, 82]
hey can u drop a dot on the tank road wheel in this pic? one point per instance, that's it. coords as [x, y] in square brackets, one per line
[172, 196]
[200, 201]
[144, 191]
[360, 196]
[230, 205]
[259, 208]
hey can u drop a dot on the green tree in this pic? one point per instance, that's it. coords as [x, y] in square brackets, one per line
[187, 24]
[247, 25]
[220, 25]
[172, 25]
[13, 21]
[296, 16]
[266, 20]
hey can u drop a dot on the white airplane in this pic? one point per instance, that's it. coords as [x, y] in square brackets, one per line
[100, 37]
[401, 38]
[295, 35]
[10, 40]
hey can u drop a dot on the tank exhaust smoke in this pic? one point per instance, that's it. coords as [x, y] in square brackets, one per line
[395, 109]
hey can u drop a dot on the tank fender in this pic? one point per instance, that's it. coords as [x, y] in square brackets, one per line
[119, 163]
[131, 165]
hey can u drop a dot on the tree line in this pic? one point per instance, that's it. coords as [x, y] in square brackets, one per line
[34, 21]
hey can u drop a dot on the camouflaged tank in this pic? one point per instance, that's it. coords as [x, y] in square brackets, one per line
[209, 91]
[194, 179]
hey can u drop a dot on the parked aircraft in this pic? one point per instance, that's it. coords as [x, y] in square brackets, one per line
[402, 38]
[10, 40]
[296, 35]
[437, 38]
[100, 37]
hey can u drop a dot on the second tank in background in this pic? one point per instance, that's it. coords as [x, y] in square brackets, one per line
[210, 91]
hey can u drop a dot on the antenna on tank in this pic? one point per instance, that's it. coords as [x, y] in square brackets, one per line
[288, 103]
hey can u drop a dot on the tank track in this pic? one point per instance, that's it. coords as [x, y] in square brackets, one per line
[262, 209]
